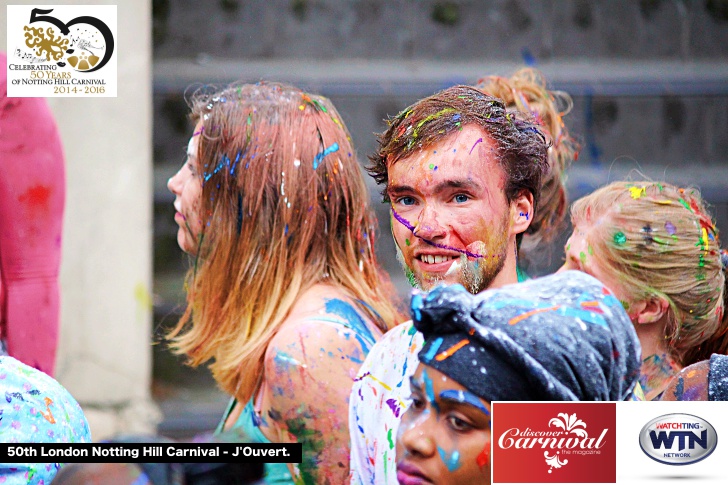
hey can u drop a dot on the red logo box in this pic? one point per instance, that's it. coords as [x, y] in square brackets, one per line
[554, 442]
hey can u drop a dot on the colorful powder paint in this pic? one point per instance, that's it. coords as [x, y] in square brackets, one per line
[379, 381]
[407, 242]
[479, 140]
[319, 157]
[679, 388]
[313, 446]
[389, 439]
[447, 353]
[465, 397]
[433, 348]
[620, 239]
[637, 192]
[286, 361]
[352, 320]
[392, 403]
[430, 391]
[484, 456]
[416, 303]
[670, 228]
[582, 257]
[451, 461]
[647, 238]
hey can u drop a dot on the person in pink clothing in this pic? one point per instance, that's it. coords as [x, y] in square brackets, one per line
[32, 195]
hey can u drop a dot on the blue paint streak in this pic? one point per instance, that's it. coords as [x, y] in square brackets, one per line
[237, 159]
[429, 390]
[286, 360]
[433, 350]
[353, 321]
[415, 304]
[319, 157]
[452, 462]
[224, 162]
[464, 397]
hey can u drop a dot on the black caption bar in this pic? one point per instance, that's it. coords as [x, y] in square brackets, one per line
[150, 453]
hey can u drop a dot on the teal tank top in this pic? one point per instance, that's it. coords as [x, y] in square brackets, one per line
[246, 430]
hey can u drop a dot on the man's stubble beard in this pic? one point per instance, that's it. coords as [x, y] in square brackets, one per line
[476, 275]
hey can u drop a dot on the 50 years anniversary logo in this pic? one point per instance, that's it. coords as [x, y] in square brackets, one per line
[62, 51]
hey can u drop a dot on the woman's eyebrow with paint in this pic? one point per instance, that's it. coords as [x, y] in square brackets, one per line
[452, 396]
[415, 385]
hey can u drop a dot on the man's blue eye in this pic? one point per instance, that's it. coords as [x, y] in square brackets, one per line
[460, 198]
[407, 201]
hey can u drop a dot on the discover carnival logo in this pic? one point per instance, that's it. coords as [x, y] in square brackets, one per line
[61, 51]
[678, 439]
[572, 440]
[573, 444]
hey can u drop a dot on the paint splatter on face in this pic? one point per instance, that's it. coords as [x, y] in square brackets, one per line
[452, 224]
[580, 256]
[444, 433]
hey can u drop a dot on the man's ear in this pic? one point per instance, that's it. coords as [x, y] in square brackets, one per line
[650, 310]
[521, 212]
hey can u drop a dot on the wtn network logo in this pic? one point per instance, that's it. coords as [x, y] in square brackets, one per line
[678, 439]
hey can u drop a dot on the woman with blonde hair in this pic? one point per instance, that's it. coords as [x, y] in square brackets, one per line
[657, 248]
[526, 91]
[285, 296]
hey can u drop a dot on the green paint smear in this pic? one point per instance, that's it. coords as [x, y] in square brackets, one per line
[620, 239]
[590, 250]
[389, 438]
[407, 242]
[582, 257]
[685, 204]
[313, 446]
[568, 246]
[411, 277]
[625, 305]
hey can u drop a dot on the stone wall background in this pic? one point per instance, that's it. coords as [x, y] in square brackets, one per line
[649, 80]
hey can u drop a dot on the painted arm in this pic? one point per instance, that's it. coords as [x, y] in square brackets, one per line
[32, 195]
[309, 369]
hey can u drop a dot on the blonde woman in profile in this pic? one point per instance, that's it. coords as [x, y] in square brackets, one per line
[285, 297]
[657, 248]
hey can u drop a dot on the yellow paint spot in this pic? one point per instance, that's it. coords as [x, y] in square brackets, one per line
[637, 192]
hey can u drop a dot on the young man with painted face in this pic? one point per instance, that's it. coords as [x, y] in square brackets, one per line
[463, 176]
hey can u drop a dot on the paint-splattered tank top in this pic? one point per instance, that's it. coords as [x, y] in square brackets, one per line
[246, 430]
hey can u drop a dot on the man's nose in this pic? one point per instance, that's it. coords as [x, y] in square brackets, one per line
[429, 226]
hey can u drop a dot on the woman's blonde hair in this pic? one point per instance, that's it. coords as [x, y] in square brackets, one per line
[284, 206]
[525, 91]
[658, 240]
